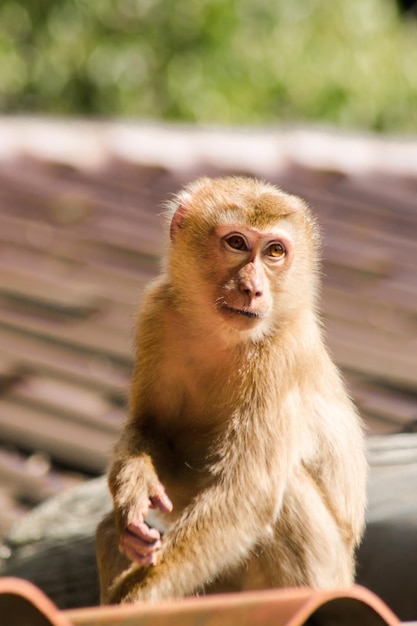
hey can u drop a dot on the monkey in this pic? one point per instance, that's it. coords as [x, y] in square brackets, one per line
[241, 464]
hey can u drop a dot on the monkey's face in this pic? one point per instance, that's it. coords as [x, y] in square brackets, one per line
[242, 255]
[245, 267]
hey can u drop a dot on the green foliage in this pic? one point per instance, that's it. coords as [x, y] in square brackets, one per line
[217, 61]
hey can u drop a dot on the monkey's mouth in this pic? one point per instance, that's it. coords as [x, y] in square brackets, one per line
[249, 314]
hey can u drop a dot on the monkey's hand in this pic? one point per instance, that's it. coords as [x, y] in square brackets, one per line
[135, 489]
[138, 541]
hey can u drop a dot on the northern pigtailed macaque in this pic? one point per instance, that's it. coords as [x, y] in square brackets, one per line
[241, 464]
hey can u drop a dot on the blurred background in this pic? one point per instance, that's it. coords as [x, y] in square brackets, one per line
[209, 61]
[108, 107]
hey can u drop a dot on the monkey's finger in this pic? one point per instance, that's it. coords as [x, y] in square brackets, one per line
[137, 515]
[141, 559]
[138, 550]
[144, 533]
[162, 502]
[139, 545]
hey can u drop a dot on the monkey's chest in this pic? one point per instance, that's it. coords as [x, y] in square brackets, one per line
[187, 451]
[183, 465]
[190, 383]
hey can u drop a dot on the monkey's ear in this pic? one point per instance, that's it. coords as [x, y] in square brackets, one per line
[183, 204]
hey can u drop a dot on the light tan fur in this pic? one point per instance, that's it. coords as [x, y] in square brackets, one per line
[238, 416]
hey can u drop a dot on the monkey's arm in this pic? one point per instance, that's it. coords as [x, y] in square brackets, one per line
[133, 479]
[135, 489]
[340, 468]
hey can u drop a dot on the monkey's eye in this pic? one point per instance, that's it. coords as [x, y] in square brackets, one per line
[237, 242]
[276, 250]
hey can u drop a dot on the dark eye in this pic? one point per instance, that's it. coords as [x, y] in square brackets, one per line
[237, 242]
[276, 250]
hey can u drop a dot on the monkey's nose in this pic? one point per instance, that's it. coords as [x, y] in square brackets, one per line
[251, 288]
[250, 281]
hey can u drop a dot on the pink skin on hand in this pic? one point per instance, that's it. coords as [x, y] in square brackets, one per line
[140, 542]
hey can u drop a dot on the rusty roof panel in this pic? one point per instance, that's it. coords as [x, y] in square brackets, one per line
[23, 604]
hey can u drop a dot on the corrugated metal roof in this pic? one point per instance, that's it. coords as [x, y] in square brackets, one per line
[80, 235]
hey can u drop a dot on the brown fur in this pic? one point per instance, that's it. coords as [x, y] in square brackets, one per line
[237, 411]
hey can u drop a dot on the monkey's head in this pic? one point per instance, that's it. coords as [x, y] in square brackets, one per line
[243, 253]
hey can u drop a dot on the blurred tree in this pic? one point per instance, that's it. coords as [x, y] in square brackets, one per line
[212, 61]
[409, 6]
